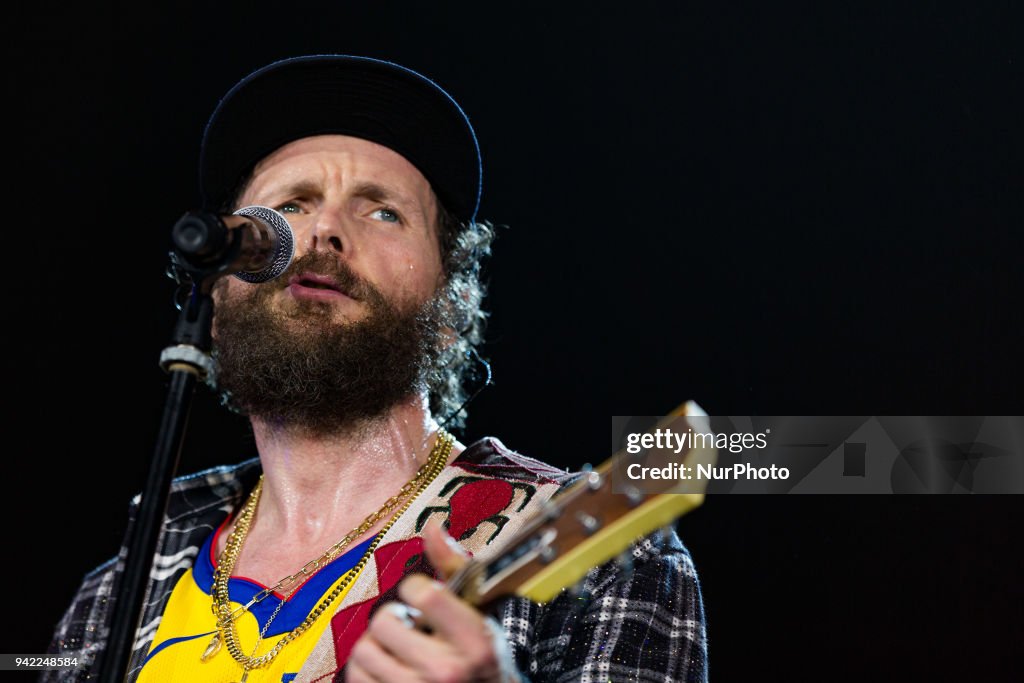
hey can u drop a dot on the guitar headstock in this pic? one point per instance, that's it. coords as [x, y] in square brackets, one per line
[586, 525]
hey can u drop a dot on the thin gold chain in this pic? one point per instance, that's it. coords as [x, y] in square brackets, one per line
[221, 604]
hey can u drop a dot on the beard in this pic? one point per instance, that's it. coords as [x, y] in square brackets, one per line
[300, 368]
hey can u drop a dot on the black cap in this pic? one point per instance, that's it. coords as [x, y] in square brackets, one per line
[342, 94]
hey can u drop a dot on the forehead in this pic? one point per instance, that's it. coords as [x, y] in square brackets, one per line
[340, 158]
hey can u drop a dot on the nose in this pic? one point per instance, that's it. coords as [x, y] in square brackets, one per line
[327, 232]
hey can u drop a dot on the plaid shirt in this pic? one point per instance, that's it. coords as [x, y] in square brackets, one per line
[643, 625]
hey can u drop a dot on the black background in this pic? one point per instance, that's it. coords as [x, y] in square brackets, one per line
[798, 209]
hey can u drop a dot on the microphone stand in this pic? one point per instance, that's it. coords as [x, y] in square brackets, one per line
[187, 360]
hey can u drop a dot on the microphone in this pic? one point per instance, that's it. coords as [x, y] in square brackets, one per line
[255, 243]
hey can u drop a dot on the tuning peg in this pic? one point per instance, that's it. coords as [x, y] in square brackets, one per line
[633, 495]
[592, 477]
[589, 523]
[547, 554]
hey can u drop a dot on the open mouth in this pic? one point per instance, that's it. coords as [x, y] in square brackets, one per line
[307, 282]
[317, 285]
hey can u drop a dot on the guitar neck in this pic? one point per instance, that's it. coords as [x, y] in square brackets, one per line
[584, 526]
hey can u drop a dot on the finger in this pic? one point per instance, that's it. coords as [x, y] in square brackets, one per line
[451, 618]
[357, 674]
[392, 629]
[443, 551]
[374, 662]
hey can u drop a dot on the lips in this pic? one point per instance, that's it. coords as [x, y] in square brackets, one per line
[312, 285]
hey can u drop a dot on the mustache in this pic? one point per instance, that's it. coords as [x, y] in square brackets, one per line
[326, 265]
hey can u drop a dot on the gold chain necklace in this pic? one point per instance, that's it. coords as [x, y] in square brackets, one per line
[226, 631]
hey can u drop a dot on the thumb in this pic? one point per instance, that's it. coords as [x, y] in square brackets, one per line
[443, 551]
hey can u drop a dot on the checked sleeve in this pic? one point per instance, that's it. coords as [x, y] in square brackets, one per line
[644, 625]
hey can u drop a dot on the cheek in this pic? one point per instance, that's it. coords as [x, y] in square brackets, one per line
[302, 229]
[220, 293]
[227, 291]
[418, 277]
[412, 266]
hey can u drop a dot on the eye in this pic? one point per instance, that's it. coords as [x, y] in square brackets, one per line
[289, 207]
[387, 215]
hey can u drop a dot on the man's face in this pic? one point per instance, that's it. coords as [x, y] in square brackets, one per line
[355, 324]
[364, 204]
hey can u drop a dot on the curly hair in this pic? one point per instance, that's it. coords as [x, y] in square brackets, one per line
[465, 246]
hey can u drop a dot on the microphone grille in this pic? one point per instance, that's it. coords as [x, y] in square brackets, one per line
[284, 243]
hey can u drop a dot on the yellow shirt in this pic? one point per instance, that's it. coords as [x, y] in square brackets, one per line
[188, 624]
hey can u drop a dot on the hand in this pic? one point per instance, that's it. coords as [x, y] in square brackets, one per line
[462, 644]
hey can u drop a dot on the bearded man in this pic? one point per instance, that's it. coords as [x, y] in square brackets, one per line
[319, 559]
